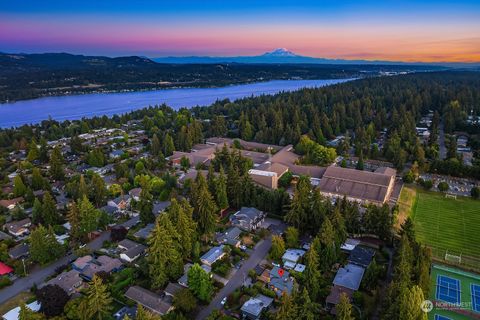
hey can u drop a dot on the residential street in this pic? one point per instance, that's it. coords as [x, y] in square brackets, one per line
[39, 274]
[236, 281]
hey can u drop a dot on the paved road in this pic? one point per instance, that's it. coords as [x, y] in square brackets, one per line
[39, 274]
[236, 281]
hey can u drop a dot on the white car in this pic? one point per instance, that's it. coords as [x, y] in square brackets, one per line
[223, 301]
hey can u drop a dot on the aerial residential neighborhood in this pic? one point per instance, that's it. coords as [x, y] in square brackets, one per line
[173, 160]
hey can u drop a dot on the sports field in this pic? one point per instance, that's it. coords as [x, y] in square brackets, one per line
[447, 224]
[458, 302]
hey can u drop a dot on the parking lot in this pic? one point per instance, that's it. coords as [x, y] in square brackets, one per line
[458, 186]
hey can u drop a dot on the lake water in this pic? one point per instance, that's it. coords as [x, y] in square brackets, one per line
[88, 105]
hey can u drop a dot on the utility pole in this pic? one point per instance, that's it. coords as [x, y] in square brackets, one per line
[24, 269]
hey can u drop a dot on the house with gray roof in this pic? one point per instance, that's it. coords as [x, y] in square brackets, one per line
[150, 300]
[4, 236]
[101, 263]
[361, 256]
[230, 236]
[349, 276]
[19, 251]
[253, 308]
[144, 232]
[69, 281]
[248, 218]
[213, 255]
[131, 250]
[291, 257]
[280, 282]
[160, 206]
[18, 228]
[173, 288]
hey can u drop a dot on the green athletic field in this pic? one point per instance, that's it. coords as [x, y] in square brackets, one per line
[465, 309]
[447, 224]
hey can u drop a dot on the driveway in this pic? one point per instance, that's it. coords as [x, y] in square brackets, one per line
[39, 274]
[236, 281]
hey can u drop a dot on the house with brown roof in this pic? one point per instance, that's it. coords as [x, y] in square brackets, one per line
[69, 281]
[334, 297]
[11, 203]
[18, 228]
[361, 186]
[150, 300]
[102, 263]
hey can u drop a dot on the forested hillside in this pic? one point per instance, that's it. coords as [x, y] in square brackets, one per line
[26, 76]
[360, 109]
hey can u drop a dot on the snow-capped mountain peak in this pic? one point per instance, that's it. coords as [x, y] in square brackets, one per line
[280, 52]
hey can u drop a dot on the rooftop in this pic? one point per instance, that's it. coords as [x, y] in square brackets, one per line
[213, 255]
[148, 299]
[365, 185]
[254, 306]
[349, 276]
[361, 256]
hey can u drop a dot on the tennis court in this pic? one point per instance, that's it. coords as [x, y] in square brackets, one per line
[448, 289]
[475, 289]
[457, 288]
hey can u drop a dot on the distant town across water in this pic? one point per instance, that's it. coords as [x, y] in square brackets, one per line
[89, 105]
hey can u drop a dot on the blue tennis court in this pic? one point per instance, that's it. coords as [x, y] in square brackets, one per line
[448, 289]
[439, 317]
[475, 289]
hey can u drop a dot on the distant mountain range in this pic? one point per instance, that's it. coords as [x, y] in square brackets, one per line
[283, 55]
[27, 76]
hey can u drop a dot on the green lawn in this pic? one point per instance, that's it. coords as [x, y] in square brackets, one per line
[447, 224]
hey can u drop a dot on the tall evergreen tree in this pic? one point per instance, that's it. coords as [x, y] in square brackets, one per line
[82, 188]
[38, 182]
[288, 309]
[99, 190]
[44, 247]
[278, 247]
[312, 274]
[168, 145]
[204, 208]
[19, 188]
[327, 239]
[200, 283]
[221, 190]
[299, 208]
[164, 259]
[97, 300]
[56, 164]
[156, 147]
[89, 216]
[50, 214]
[344, 308]
[33, 151]
[146, 204]
[73, 218]
[37, 217]
[181, 216]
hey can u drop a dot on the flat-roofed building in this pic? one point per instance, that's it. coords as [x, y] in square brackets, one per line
[268, 174]
[361, 186]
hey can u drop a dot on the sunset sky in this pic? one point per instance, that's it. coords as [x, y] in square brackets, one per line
[387, 30]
